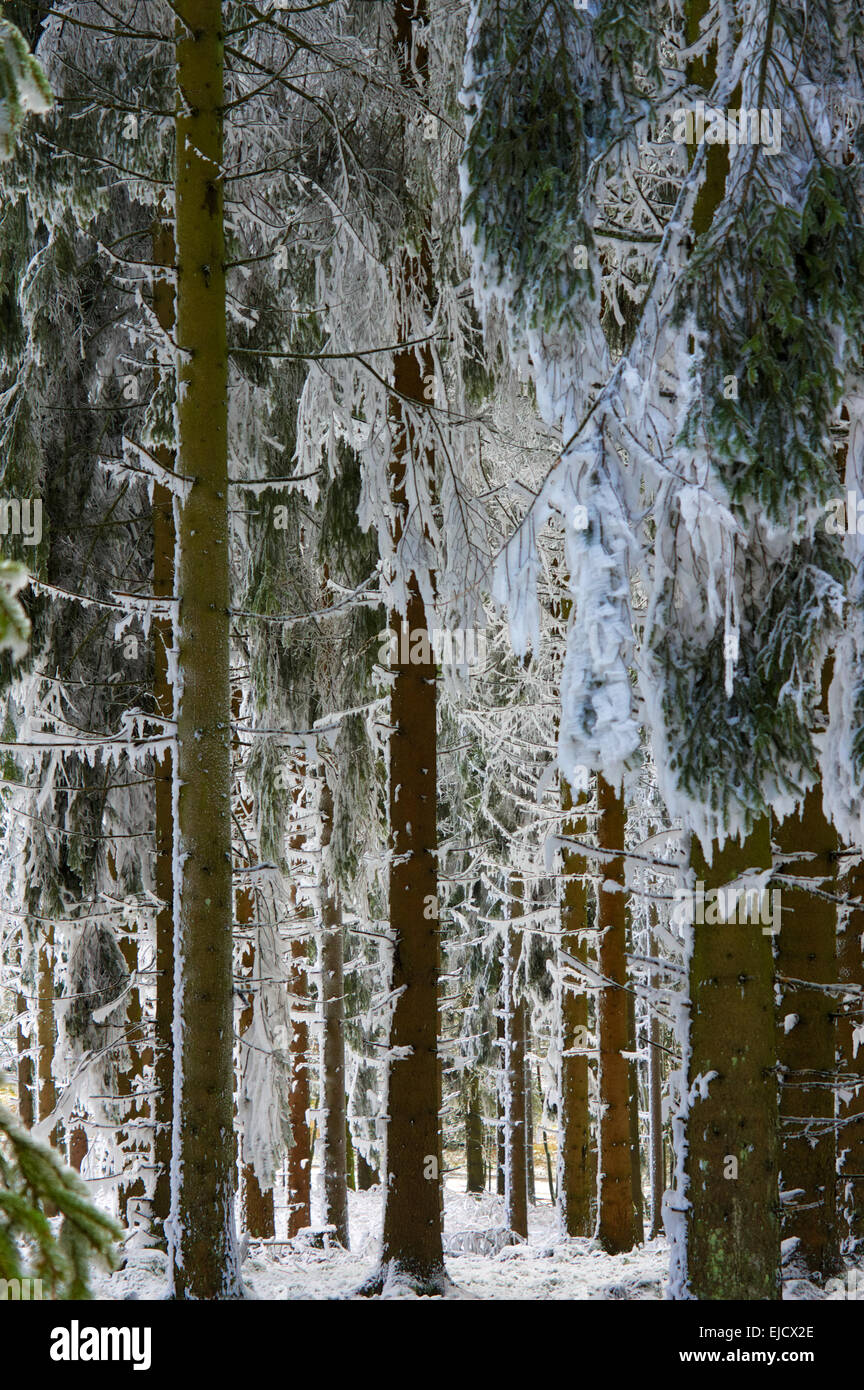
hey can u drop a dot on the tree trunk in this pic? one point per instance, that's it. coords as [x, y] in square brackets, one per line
[137, 1109]
[615, 1201]
[500, 1160]
[257, 1213]
[350, 1158]
[576, 1160]
[299, 1156]
[411, 1248]
[730, 1170]
[26, 1108]
[731, 1246]
[655, 1108]
[529, 1118]
[850, 1106]
[412, 1213]
[204, 1261]
[45, 1029]
[163, 700]
[635, 1135]
[46, 1089]
[334, 1114]
[806, 960]
[366, 1174]
[474, 1135]
[78, 1147]
[515, 1177]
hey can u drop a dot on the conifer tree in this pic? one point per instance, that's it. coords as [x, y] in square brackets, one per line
[616, 1199]
[203, 1246]
[850, 1106]
[515, 1108]
[34, 1185]
[806, 965]
[576, 1155]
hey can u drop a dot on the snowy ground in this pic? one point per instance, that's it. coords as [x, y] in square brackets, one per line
[547, 1268]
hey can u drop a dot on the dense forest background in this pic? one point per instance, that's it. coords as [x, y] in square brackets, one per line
[432, 797]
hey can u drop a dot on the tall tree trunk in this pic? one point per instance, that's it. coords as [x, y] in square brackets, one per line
[635, 1145]
[334, 1113]
[258, 1217]
[163, 700]
[136, 1108]
[46, 1089]
[850, 1103]
[615, 1202]
[576, 1159]
[515, 1184]
[500, 1119]
[807, 960]
[45, 1028]
[204, 1263]
[731, 1247]
[411, 1247]
[26, 1106]
[474, 1135]
[529, 1117]
[730, 1170]
[299, 1156]
[412, 1212]
[350, 1158]
[655, 1108]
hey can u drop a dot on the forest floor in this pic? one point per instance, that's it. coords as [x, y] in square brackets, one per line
[547, 1267]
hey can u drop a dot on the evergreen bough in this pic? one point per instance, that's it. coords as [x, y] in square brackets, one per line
[32, 1181]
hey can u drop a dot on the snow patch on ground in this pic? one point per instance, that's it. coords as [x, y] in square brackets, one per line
[547, 1267]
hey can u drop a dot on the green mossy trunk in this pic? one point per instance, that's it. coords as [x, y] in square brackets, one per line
[807, 959]
[733, 1219]
[732, 1223]
[476, 1169]
[850, 1105]
[203, 1253]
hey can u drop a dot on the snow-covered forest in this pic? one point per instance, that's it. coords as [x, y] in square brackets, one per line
[432, 649]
